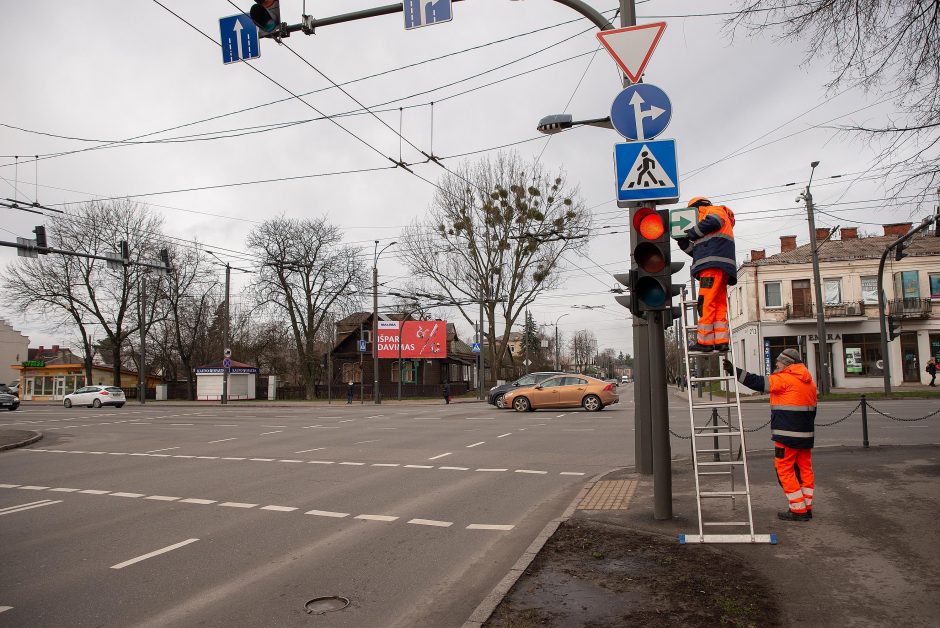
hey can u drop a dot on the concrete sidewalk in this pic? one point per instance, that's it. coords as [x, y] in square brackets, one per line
[11, 439]
[868, 557]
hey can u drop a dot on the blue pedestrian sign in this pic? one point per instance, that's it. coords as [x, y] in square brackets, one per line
[363, 348]
[476, 347]
[239, 38]
[647, 171]
[426, 12]
[641, 112]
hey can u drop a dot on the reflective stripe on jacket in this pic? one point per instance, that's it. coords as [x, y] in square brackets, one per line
[711, 242]
[792, 403]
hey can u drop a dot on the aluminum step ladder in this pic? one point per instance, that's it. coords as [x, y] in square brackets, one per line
[719, 454]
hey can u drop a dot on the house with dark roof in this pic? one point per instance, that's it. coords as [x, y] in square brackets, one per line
[773, 306]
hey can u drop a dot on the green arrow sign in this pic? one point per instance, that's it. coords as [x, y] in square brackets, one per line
[680, 220]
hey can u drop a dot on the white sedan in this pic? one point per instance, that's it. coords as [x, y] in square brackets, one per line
[96, 396]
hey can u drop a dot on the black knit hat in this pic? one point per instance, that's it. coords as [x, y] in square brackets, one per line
[789, 356]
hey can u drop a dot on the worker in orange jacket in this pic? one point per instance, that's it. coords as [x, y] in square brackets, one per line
[792, 418]
[710, 242]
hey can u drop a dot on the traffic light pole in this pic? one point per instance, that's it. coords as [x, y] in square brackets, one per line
[659, 412]
[225, 339]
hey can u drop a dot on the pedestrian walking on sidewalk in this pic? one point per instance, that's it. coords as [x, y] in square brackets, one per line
[792, 418]
[350, 389]
[710, 242]
[447, 392]
[932, 370]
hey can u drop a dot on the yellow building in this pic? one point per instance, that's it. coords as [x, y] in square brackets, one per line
[63, 374]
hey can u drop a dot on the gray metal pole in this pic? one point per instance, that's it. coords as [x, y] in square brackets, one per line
[329, 362]
[482, 362]
[377, 398]
[225, 339]
[882, 321]
[525, 339]
[142, 371]
[822, 346]
[659, 406]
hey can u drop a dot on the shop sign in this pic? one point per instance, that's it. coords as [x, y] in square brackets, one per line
[829, 337]
[32, 364]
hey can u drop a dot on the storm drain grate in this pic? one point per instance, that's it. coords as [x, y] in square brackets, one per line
[609, 495]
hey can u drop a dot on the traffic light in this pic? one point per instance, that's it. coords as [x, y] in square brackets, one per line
[125, 251]
[899, 253]
[165, 258]
[41, 242]
[894, 328]
[652, 288]
[266, 14]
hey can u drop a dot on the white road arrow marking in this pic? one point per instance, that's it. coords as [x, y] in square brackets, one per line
[637, 102]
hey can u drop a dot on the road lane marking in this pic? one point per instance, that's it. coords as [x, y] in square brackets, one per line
[273, 426]
[232, 458]
[347, 420]
[153, 451]
[504, 435]
[492, 469]
[354, 464]
[62, 490]
[91, 491]
[162, 498]
[127, 494]
[274, 432]
[221, 440]
[327, 513]
[476, 444]
[376, 416]
[320, 462]
[432, 522]
[571, 473]
[262, 459]
[488, 526]
[45, 502]
[386, 464]
[418, 466]
[558, 416]
[8, 485]
[179, 456]
[279, 508]
[531, 471]
[33, 488]
[288, 460]
[303, 451]
[196, 500]
[481, 418]
[440, 456]
[5, 608]
[237, 505]
[168, 548]
[375, 517]
[363, 442]
[454, 468]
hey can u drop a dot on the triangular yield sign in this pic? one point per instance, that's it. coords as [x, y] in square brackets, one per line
[632, 47]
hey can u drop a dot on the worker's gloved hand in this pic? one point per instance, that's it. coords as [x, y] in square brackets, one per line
[728, 366]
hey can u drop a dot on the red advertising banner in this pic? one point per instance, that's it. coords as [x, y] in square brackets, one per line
[420, 339]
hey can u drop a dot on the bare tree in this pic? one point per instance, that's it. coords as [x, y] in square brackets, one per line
[606, 360]
[305, 274]
[583, 345]
[885, 46]
[496, 232]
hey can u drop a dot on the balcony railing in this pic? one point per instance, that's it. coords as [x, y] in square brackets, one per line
[909, 308]
[834, 310]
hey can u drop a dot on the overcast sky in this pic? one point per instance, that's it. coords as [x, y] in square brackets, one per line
[749, 117]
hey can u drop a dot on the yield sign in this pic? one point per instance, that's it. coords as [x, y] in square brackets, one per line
[633, 46]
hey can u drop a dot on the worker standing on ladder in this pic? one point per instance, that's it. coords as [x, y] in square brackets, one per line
[792, 417]
[710, 242]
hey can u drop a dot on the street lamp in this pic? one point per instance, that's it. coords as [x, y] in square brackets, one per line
[558, 122]
[557, 364]
[375, 320]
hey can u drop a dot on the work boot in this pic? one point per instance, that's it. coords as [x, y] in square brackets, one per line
[700, 348]
[789, 515]
[722, 348]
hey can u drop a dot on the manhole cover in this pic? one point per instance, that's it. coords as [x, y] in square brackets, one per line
[320, 605]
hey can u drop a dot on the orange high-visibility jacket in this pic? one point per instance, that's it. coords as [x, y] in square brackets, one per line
[792, 403]
[710, 242]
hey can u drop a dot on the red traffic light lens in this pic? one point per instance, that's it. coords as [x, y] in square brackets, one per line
[651, 227]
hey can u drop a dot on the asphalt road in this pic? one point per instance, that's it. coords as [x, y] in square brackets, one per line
[239, 515]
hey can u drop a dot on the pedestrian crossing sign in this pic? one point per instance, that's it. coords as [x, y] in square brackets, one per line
[647, 171]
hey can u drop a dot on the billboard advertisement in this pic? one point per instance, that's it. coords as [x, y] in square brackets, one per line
[419, 339]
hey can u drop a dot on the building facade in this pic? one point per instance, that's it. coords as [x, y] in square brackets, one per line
[773, 307]
[13, 350]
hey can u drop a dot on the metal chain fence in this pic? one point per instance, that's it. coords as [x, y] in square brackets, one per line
[895, 418]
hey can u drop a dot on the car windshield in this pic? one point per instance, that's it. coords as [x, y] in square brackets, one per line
[528, 380]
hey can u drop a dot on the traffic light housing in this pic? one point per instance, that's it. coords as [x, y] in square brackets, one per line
[165, 258]
[652, 288]
[42, 243]
[899, 253]
[628, 300]
[125, 251]
[266, 14]
[894, 328]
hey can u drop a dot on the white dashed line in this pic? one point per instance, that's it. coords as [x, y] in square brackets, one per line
[558, 416]
[354, 464]
[347, 420]
[363, 442]
[33, 488]
[418, 466]
[289, 460]
[327, 513]
[162, 498]
[28, 506]
[262, 459]
[385, 464]
[63, 490]
[274, 432]
[221, 440]
[92, 491]
[127, 494]
[164, 550]
[504, 435]
[375, 517]
[440, 456]
[454, 468]
[531, 471]
[231, 458]
[180, 456]
[487, 526]
[476, 444]
[237, 505]
[5, 608]
[320, 462]
[432, 522]
[196, 500]
[303, 451]
[570, 473]
[153, 451]
[279, 508]
[492, 469]
[375, 416]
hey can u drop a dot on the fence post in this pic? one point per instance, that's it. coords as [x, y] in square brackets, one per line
[864, 423]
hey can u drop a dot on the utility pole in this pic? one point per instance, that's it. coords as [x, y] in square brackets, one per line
[142, 371]
[225, 336]
[525, 339]
[821, 345]
[480, 340]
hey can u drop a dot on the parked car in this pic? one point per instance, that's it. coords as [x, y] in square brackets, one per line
[625, 379]
[95, 397]
[8, 401]
[563, 391]
[495, 396]
[4, 389]
[613, 380]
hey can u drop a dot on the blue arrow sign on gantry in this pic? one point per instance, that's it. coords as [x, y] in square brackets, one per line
[426, 12]
[641, 112]
[239, 38]
[647, 171]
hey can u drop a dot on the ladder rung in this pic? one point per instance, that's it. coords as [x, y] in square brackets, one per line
[713, 451]
[714, 434]
[714, 472]
[728, 538]
[705, 354]
[713, 379]
[726, 523]
[726, 404]
[722, 493]
[716, 464]
[720, 429]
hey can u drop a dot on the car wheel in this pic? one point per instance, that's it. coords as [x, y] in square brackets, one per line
[68, 403]
[521, 404]
[498, 402]
[119, 405]
[96, 403]
[12, 408]
[592, 403]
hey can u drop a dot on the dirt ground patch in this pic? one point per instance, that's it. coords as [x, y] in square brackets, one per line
[595, 574]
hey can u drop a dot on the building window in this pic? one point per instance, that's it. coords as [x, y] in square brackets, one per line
[832, 291]
[934, 285]
[870, 290]
[935, 347]
[772, 296]
[352, 372]
[862, 355]
[906, 285]
[409, 371]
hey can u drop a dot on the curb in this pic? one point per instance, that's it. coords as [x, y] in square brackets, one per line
[482, 612]
[29, 441]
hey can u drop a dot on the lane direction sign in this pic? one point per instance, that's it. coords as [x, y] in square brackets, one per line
[680, 220]
[647, 171]
[641, 112]
[239, 38]
[632, 47]
[420, 13]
